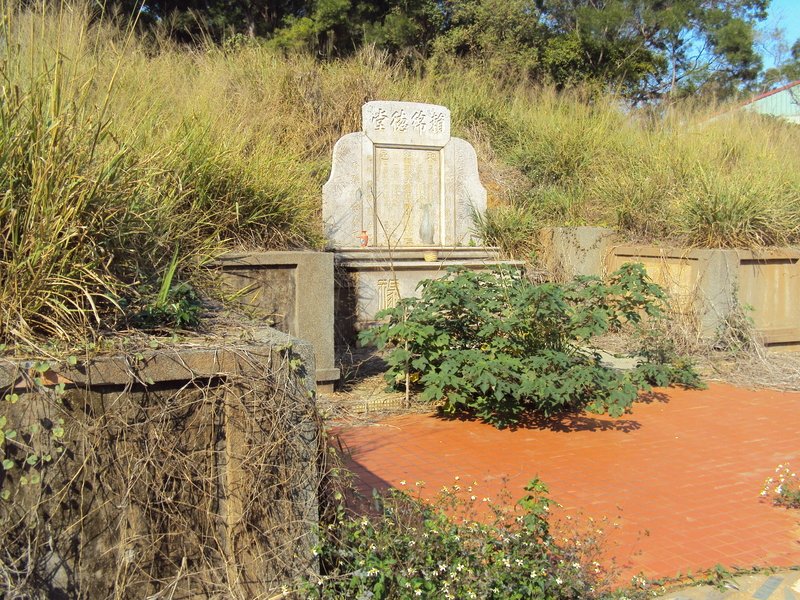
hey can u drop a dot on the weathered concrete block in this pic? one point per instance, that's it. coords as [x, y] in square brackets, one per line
[573, 251]
[293, 290]
[191, 468]
[707, 285]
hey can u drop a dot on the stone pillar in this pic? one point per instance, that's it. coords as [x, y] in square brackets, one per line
[718, 272]
[572, 251]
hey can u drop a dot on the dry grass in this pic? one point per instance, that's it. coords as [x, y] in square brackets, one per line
[116, 151]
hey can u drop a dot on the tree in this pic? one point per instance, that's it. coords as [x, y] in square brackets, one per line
[649, 48]
[785, 71]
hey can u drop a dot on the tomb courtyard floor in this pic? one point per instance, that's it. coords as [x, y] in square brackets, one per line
[681, 475]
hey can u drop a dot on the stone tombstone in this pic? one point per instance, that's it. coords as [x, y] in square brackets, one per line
[402, 182]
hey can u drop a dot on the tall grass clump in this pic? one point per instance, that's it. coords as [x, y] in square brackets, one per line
[682, 177]
[67, 208]
[103, 178]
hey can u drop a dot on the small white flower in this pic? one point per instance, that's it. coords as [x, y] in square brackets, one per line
[559, 581]
[418, 592]
[402, 482]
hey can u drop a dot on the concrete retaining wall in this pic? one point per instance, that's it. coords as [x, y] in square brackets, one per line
[704, 284]
[184, 471]
[709, 284]
[293, 292]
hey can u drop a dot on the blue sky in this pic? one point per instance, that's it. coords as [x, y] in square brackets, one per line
[783, 14]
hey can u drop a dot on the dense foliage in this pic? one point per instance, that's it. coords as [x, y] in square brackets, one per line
[459, 546]
[648, 48]
[493, 344]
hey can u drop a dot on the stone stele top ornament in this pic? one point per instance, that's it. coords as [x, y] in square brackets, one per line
[403, 180]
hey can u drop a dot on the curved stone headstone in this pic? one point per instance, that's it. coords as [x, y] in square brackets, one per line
[403, 180]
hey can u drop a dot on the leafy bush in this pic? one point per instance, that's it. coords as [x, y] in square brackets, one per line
[494, 344]
[412, 549]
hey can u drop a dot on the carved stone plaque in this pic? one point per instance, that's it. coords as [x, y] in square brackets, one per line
[406, 123]
[407, 197]
[402, 181]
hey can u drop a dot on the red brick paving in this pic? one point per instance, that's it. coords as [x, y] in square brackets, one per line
[684, 472]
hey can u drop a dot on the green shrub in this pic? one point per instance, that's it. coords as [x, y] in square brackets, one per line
[494, 344]
[410, 549]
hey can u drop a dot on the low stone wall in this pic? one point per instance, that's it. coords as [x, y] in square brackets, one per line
[293, 292]
[182, 472]
[710, 284]
[706, 285]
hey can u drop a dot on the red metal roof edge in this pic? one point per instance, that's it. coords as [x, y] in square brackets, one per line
[771, 92]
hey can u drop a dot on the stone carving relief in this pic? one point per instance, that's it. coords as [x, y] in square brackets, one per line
[403, 180]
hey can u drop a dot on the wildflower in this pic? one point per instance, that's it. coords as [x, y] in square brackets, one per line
[372, 572]
[402, 482]
[576, 566]
[486, 500]
[559, 581]
[442, 567]
[418, 592]
[473, 498]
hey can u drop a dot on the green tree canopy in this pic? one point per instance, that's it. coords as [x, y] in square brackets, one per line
[646, 48]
